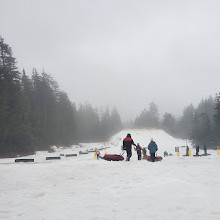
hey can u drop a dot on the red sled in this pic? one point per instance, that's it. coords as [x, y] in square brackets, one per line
[113, 157]
[196, 155]
[148, 158]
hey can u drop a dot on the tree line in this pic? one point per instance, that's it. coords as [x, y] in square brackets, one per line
[200, 124]
[35, 114]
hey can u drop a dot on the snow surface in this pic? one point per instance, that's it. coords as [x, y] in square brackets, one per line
[182, 188]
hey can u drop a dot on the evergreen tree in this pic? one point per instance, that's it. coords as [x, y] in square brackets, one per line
[15, 131]
[186, 122]
[66, 122]
[154, 116]
[148, 119]
[115, 121]
[169, 123]
[106, 125]
[217, 119]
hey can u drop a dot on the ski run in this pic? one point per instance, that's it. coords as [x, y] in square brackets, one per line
[176, 188]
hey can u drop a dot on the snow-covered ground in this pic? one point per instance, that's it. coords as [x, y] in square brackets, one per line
[182, 188]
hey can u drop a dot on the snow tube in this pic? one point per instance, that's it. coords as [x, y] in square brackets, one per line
[52, 158]
[113, 157]
[71, 155]
[148, 158]
[24, 160]
[83, 152]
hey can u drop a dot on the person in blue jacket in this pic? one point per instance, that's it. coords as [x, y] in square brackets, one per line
[152, 147]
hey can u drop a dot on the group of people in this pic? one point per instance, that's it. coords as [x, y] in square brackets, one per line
[127, 145]
[197, 150]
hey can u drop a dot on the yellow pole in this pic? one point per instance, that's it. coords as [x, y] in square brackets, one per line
[178, 154]
[95, 155]
[218, 152]
[190, 153]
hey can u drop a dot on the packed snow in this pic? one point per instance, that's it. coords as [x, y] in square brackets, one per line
[84, 188]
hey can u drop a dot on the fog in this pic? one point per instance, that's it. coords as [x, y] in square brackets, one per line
[123, 53]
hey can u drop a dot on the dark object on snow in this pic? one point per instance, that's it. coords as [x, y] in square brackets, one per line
[144, 151]
[197, 150]
[71, 155]
[205, 154]
[113, 157]
[24, 160]
[85, 152]
[170, 154]
[62, 155]
[52, 158]
[157, 158]
[153, 157]
[187, 151]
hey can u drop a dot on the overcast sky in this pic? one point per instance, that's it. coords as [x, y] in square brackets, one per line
[120, 52]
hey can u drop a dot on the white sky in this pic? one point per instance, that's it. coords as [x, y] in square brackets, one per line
[120, 52]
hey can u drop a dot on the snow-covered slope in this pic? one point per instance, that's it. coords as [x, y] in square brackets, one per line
[143, 136]
[87, 189]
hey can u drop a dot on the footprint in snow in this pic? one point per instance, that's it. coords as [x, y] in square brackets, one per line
[39, 195]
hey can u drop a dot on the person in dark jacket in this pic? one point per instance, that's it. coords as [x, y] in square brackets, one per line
[187, 151]
[197, 150]
[138, 148]
[152, 147]
[127, 144]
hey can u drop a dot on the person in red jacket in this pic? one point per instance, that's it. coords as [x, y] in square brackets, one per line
[127, 144]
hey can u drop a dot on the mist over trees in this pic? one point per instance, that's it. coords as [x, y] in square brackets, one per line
[148, 118]
[35, 114]
[201, 124]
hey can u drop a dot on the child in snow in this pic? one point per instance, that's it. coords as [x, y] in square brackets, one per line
[165, 153]
[138, 148]
[144, 152]
[97, 154]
